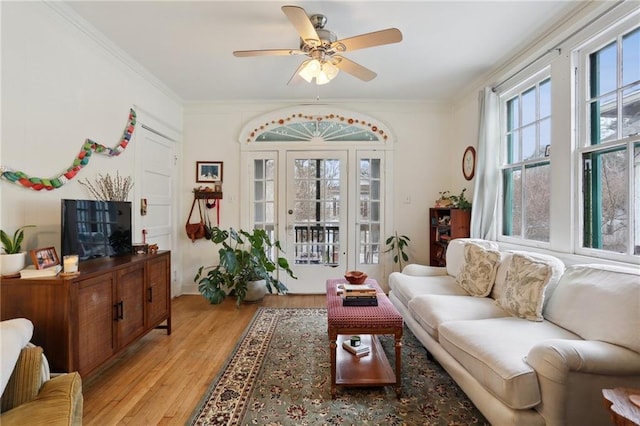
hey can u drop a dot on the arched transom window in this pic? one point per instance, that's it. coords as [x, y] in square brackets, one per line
[299, 127]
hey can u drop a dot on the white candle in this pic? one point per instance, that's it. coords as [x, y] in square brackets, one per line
[71, 263]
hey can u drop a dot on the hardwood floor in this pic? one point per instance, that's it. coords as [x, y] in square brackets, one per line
[161, 379]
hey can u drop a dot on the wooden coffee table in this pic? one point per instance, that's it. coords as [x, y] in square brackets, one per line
[367, 322]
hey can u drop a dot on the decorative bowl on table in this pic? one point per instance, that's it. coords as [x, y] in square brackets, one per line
[355, 277]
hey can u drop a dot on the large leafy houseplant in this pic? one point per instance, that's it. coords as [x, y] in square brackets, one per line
[244, 257]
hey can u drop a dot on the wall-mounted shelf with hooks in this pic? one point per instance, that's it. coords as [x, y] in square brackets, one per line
[207, 195]
[212, 201]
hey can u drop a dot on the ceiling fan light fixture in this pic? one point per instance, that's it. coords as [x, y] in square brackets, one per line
[310, 70]
[328, 72]
[323, 71]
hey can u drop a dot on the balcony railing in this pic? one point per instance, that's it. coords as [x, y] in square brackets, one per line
[317, 244]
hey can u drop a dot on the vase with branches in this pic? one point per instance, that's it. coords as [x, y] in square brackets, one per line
[107, 188]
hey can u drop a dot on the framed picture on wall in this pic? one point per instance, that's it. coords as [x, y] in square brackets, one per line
[45, 257]
[209, 171]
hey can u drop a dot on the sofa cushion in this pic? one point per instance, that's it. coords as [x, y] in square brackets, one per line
[14, 335]
[525, 284]
[60, 402]
[599, 302]
[557, 268]
[406, 287]
[494, 352]
[455, 252]
[433, 310]
[478, 273]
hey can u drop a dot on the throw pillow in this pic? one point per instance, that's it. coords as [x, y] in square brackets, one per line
[478, 273]
[524, 287]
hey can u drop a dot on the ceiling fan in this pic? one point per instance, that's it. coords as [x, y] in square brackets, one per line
[323, 48]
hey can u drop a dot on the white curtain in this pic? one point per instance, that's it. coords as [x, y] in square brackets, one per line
[485, 194]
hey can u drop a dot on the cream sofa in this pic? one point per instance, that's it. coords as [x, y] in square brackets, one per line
[548, 370]
[30, 396]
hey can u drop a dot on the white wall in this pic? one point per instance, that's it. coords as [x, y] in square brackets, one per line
[427, 159]
[61, 86]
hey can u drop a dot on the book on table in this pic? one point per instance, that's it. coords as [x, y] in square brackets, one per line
[358, 288]
[31, 272]
[359, 291]
[362, 301]
[361, 350]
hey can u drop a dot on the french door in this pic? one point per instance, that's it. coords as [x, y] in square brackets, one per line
[316, 217]
[326, 207]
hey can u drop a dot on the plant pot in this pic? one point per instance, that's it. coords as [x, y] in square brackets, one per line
[256, 290]
[11, 264]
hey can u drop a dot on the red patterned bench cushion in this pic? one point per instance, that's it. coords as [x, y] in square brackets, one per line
[385, 315]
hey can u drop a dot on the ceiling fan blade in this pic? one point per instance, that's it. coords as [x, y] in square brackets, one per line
[267, 52]
[354, 69]
[377, 38]
[301, 22]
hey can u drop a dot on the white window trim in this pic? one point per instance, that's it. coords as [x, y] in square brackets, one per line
[525, 82]
[581, 64]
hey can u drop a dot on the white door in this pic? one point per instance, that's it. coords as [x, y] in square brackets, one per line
[155, 189]
[316, 218]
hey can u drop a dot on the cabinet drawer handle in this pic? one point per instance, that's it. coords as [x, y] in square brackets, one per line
[150, 294]
[119, 311]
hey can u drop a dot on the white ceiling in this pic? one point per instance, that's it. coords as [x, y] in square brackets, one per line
[447, 45]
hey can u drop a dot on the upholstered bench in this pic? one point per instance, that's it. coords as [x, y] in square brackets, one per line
[343, 321]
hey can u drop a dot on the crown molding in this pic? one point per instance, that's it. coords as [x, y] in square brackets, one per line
[93, 34]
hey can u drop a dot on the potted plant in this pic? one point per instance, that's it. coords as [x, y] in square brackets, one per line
[397, 244]
[460, 202]
[444, 200]
[248, 267]
[13, 259]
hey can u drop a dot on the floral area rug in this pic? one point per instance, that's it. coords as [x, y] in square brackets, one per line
[279, 374]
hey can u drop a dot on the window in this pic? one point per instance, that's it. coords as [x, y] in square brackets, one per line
[527, 158]
[264, 196]
[370, 210]
[609, 149]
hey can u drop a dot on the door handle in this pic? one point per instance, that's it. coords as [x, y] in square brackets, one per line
[150, 294]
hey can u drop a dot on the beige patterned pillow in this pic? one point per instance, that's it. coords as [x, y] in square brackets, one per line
[525, 283]
[478, 273]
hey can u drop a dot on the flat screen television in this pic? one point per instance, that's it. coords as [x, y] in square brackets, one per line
[92, 228]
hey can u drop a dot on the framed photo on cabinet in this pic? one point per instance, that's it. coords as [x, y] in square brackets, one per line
[45, 257]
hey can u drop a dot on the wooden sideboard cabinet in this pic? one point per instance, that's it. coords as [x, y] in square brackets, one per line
[85, 320]
[445, 225]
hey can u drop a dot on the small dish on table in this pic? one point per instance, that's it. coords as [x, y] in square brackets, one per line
[355, 277]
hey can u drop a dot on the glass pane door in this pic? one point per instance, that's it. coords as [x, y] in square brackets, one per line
[316, 218]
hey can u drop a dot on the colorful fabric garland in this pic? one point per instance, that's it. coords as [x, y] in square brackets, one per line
[79, 162]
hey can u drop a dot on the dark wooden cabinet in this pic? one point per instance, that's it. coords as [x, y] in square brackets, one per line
[158, 281]
[130, 300]
[85, 320]
[94, 331]
[445, 225]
